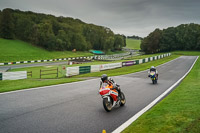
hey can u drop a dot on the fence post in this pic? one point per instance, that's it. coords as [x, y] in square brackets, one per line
[40, 74]
[57, 72]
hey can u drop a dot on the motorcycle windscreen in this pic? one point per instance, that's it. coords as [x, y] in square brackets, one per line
[152, 73]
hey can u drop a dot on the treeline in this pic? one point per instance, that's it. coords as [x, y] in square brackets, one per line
[57, 33]
[135, 37]
[182, 37]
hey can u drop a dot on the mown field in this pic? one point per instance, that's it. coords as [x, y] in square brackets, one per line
[16, 50]
[179, 112]
[133, 43]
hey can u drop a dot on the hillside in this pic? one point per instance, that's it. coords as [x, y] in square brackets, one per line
[57, 33]
[16, 50]
[133, 43]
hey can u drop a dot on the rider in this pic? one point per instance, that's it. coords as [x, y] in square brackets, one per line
[110, 81]
[154, 70]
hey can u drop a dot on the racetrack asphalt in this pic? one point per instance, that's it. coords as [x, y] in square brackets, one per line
[77, 107]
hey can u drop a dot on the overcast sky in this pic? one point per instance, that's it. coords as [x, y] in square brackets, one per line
[128, 17]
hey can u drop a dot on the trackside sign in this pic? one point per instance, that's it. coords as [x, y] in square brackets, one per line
[128, 63]
[110, 66]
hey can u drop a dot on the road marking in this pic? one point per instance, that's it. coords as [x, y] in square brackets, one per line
[132, 119]
[36, 88]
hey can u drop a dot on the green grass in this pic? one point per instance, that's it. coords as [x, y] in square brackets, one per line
[187, 53]
[178, 112]
[9, 85]
[133, 43]
[15, 50]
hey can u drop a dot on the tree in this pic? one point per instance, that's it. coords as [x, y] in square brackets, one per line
[57, 33]
[78, 42]
[46, 37]
[63, 40]
[118, 42]
[151, 44]
[7, 26]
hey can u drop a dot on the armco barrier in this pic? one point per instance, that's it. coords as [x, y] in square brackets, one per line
[110, 66]
[71, 71]
[0, 76]
[146, 59]
[128, 63]
[95, 68]
[84, 69]
[137, 62]
[14, 75]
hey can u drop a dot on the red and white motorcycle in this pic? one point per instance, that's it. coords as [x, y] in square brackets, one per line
[111, 97]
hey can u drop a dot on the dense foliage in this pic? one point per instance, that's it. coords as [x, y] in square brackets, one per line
[182, 37]
[135, 37]
[57, 33]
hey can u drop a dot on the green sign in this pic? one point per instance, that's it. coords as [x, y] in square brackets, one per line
[84, 69]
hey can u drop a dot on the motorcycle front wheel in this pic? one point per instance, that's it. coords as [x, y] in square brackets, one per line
[107, 105]
[123, 99]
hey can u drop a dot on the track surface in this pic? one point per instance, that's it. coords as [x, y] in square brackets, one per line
[77, 107]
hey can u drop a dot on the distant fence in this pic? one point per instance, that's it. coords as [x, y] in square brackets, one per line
[71, 71]
[52, 72]
[29, 73]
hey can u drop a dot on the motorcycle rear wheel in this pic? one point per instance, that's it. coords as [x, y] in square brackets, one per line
[107, 105]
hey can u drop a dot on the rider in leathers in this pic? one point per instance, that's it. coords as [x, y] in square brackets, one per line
[110, 81]
[154, 70]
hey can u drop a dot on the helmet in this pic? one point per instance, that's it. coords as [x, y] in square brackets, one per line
[104, 77]
[152, 67]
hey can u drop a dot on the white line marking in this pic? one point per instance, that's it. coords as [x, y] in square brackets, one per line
[132, 119]
[36, 88]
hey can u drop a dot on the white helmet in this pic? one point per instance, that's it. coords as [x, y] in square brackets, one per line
[152, 67]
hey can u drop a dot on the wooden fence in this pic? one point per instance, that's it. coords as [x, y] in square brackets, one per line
[43, 72]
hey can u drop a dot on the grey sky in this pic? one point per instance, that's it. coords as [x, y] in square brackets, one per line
[128, 17]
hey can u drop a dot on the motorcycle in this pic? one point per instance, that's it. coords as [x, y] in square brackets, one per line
[111, 97]
[153, 77]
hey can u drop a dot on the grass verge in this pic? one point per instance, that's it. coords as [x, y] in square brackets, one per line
[178, 112]
[9, 85]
